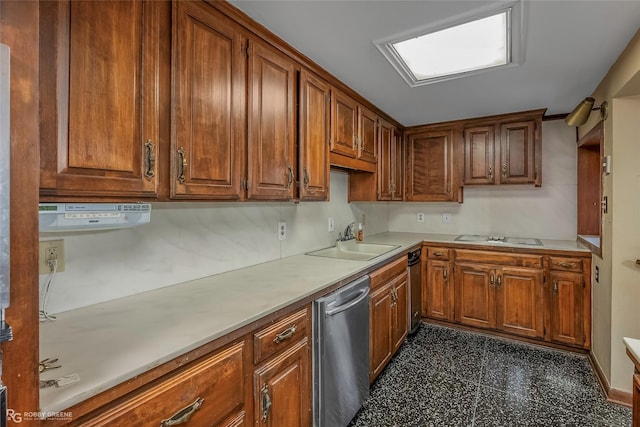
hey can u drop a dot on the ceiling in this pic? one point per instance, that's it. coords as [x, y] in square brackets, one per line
[569, 47]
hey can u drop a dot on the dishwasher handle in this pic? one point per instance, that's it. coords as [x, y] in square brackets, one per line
[361, 295]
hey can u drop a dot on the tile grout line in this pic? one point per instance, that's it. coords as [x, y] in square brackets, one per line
[479, 383]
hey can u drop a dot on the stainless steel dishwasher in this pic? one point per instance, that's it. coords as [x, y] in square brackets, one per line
[341, 354]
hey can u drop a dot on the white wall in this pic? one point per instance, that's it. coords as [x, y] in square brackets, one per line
[521, 210]
[186, 241]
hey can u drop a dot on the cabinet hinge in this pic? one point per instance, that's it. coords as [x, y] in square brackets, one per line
[584, 339]
[544, 279]
[448, 188]
[544, 331]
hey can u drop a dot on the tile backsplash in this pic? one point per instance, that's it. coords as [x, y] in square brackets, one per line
[186, 241]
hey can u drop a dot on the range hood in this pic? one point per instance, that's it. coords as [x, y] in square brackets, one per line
[57, 217]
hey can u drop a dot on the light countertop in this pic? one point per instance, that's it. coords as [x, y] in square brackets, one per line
[633, 345]
[109, 343]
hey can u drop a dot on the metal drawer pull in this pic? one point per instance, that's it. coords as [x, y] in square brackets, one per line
[566, 264]
[492, 280]
[444, 274]
[504, 170]
[289, 176]
[499, 280]
[306, 179]
[182, 165]
[490, 172]
[183, 415]
[555, 287]
[438, 253]
[151, 159]
[266, 402]
[285, 335]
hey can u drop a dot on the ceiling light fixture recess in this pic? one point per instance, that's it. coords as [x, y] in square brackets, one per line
[484, 39]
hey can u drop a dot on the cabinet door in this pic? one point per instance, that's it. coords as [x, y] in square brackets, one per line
[380, 338]
[208, 136]
[385, 161]
[344, 124]
[367, 135]
[430, 166]
[566, 307]
[519, 301]
[271, 158]
[636, 401]
[517, 151]
[282, 389]
[99, 98]
[437, 297]
[397, 167]
[479, 159]
[219, 380]
[400, 310]
[475, 295]
[314, 137]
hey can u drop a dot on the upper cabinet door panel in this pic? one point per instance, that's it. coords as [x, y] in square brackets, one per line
[430, 166]
[208, 104]
[479, 155]
[368, 139]
[314, 137]
[517, 153]
[397, 168]
[344, 124]
[99, 98]
[272, 139]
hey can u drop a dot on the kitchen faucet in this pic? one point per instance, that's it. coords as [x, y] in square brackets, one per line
[348, 233]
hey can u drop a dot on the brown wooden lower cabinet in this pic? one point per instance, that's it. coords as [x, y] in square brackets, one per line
[282, 388]
[532, 295]
[388, 314]
[212, 390]
[636, 400]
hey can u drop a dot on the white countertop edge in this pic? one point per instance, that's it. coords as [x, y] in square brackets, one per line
[633, 345]
[53, 399]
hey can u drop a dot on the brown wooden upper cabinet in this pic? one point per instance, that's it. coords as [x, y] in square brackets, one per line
[503, 149]
[218, 151]
[271, 158]
[208, 140]
[390, 163]
[430, 166]
[354, 133]
[99, 99]
[313, 128]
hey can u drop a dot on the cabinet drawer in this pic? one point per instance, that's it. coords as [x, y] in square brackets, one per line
[280, 335]
[438, 253]
[486, 257]
[389, 271]
[565, 264]
[219, 381]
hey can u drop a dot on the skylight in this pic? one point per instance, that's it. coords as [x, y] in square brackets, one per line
[465, 46]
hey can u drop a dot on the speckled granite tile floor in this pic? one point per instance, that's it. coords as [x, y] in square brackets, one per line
[448, 377]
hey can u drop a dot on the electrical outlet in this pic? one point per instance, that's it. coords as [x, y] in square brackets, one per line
[331, 225]
[49, 250]
[446, 218]
[282, 230]
[421, 217]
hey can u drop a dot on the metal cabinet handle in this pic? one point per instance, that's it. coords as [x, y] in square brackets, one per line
[183, 415]
[566, 264]
[182, 165]
[266, 402]
[285, 335]
[638, 262]
[306, 178]
[555, 287]
[289, 176]
[438, 253]
[444, 274]
[490, 172]
[499, 280]
[492, 280]
[504, 170]
[150, 155]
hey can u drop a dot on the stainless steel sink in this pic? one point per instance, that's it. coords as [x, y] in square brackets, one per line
[528, 241]
[352, 250]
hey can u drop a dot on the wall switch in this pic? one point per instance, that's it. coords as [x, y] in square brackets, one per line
[51, 250]
[446, 218]
[331, 225]
[282, 230]
[421, 217]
